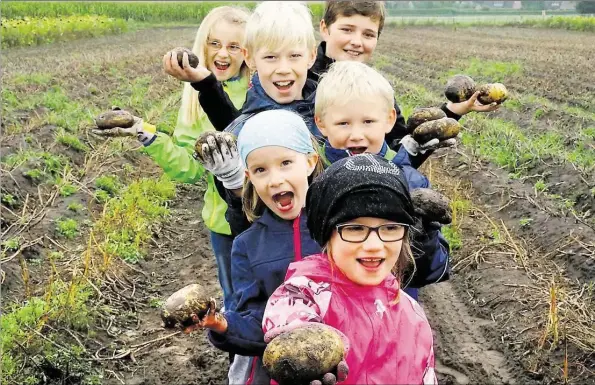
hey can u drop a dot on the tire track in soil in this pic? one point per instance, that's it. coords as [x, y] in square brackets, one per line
[464, 354]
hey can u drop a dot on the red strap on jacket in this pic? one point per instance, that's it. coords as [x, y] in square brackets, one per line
[297, 239]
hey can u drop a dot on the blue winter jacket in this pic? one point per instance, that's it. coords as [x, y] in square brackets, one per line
[260, 257]
[430, 248]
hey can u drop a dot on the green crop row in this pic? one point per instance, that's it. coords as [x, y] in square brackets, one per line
[138, 11]
[573, 23]
[29, 31]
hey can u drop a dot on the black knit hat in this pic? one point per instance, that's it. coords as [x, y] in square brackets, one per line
[358, 186]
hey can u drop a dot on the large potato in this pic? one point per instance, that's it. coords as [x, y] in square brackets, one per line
[459, 88]
[440, 129]
[492, 93]
[431, 205]
[114, 118]
[422, 115]
[179, 307]
[192, 58]
[303, 355]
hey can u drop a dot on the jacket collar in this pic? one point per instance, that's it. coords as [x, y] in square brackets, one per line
[269, 219]
[257, 100]
[322, 62]
[320, 267]
[332, 154]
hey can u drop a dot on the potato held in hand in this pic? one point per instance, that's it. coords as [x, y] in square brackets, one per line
[303, 355]
[180, 306]
[192, 58]
[422, 115]
[114, 118]
[220, 137]
[431, 205]
[492, 93]
[459, 88]
[440, 129]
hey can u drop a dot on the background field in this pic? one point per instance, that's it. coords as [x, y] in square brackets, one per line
[94, 238]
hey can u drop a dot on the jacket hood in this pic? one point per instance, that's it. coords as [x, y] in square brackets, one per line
[319, 267]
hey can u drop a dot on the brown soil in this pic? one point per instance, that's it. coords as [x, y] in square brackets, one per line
[490, 318]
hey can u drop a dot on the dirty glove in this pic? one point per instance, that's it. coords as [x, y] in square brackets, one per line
[414, 148]
[223, 160]
[145, 132]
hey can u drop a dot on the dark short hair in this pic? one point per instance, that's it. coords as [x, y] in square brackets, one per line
[375, 10]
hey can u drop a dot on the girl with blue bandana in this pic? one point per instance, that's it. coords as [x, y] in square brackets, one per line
[279, 155]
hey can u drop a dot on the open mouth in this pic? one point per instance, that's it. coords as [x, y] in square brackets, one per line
[284, 200]
[221, 66]
[284, 85]
[371, 263]
[352, 53]
[356, 150]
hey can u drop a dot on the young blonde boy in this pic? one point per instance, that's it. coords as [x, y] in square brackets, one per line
[354, 110]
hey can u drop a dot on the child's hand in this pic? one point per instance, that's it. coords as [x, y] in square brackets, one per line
[472, 104]
[185, 74]
[332, 378]
[212, 320]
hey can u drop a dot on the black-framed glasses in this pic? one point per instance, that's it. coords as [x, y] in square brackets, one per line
[356, 233]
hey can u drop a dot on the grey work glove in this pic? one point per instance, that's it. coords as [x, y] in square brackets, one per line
[414, 148]
[222, 159]
[144, 132]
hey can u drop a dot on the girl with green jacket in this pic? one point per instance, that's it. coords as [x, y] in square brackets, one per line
[218, 45]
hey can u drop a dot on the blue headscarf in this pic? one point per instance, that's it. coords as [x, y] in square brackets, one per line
[274, 128]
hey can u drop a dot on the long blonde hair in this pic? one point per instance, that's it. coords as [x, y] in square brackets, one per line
[191, 109]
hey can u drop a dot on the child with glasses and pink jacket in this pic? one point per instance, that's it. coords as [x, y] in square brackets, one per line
[360, 212]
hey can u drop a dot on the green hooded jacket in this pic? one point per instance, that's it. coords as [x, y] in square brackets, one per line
[174, 156]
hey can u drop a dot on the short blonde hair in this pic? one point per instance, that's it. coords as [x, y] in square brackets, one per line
[279, 24]
[190, 110]
[349, 80]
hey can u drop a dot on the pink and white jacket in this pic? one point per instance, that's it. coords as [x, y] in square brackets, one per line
[388, 342]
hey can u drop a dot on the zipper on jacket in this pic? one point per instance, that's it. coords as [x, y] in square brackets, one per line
[297, 239]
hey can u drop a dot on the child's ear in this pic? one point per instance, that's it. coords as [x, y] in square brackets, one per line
[246, 174]
[392, 118]
[312, 58]
[312, 161]
[249, 59]
[323, 30]
[320, 124]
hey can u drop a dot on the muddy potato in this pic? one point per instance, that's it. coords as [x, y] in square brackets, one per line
[220, 137]
[303, 355]
[492, 93]
[180, 306]
[422, 115]
[432, 205]
[441, 129]
[114, 118]
[459, 88]
[192, 58]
